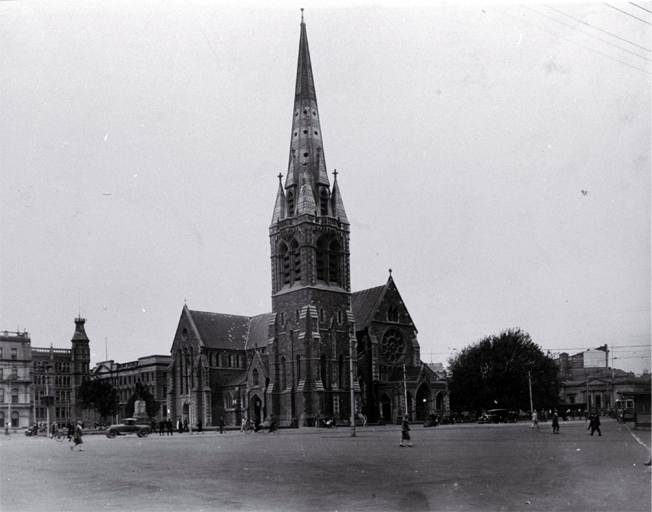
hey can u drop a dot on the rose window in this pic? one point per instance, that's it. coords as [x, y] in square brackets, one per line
[393, 346]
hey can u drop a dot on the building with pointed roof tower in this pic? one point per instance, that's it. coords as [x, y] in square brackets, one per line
[294, 362]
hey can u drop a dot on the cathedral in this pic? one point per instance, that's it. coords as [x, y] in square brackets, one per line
[322, 350]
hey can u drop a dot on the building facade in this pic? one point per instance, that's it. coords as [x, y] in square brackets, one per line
[58, 373]
[588, 382]
[323, 351]
[148, 373]
[41, 384]
[16, 399]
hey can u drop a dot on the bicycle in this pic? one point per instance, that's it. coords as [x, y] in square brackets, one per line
[59, 436]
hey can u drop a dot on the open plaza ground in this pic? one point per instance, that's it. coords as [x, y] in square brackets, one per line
[454, 467]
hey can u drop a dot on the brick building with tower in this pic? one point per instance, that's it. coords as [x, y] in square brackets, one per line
[294, 362]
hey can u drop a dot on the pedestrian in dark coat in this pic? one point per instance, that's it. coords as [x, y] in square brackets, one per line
[71, 430]
[405, 431]
[161, 427]
[221, 424]
[199, 426]
[170, 427]
[78, 437]
[594, 423]
[555, 422]
[180, 426]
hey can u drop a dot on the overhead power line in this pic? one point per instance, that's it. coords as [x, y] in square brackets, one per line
[635, 5]
[575, 43]
[598, 28]
[590, 35]
[628, 14]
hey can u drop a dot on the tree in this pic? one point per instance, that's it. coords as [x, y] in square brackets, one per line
[99, 395]
[494, 374]
[151, 405]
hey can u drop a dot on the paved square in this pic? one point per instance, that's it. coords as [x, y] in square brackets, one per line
[456, 467]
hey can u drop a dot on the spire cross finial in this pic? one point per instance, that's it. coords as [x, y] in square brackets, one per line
[302, 15]
[390, 271]
[335, 173]
[280, 177]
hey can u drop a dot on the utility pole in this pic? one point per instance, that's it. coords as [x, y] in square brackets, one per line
[529, 378]
[405, 390]
[47, 393]
[351, 385]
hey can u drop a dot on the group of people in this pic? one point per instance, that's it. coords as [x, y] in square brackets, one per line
[167, 427]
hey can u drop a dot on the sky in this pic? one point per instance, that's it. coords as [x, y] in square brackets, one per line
[495, 156]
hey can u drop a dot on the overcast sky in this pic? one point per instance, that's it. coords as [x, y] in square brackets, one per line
[496, 157]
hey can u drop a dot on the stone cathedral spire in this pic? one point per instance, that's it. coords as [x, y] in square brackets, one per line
[307, 188]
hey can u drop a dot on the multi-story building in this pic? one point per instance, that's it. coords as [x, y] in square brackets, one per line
[57, 375]
[588, 382]
[16, 401]
[149, 372]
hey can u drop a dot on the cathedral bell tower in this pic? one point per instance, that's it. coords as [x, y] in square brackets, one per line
[312, 323]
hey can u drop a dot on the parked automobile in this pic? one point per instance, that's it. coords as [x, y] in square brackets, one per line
[485, 418]
[128, 426]
[498, 415]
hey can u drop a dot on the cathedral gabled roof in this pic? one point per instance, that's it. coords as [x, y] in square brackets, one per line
[217, 330]
[364, 304]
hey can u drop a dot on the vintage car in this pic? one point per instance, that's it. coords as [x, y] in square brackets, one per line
[128, 426]
[485, 418]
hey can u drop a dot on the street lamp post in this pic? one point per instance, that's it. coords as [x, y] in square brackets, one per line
[529, 378]
[351, 386]
[47, 394]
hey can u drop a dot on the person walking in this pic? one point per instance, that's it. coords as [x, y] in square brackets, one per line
[405, 431]
[221, 424]
[71, 430]
[78, 437]
[199, 426]
[161, 427]
[180, 426]
[594, 423]
[244, 423]
[170, 427]
[535, 419]
[555, 422]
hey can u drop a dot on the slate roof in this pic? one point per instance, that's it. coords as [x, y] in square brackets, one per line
[363, 304]
[233, 332]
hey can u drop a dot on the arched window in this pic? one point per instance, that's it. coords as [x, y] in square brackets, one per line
[328, 259]
[392, 314]
[323, 202]
[322, 258]
[334, 262]
[283, 374]
[228, 401]
[322, 315]
[14, 396]
[290, 204]
[255, 377]
[340, 371]
[284, 254]
[324, 371]
[296, 261]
